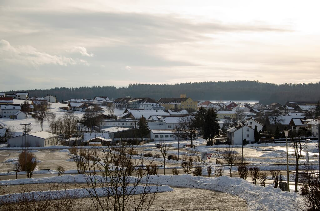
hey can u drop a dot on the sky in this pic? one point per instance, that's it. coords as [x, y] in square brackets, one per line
[57, 43]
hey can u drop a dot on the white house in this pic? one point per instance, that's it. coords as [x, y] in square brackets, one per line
[9, 111]
[38, 139]
[162, 135]
[126, 123]
[237, 134]
[22, 95]
[253, 123]
[50, 99]
[96, 138]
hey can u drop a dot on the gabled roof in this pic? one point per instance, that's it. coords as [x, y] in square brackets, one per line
[91, 136]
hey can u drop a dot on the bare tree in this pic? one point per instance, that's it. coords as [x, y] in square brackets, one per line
[164, 150]
[116, 183]
[231, 157]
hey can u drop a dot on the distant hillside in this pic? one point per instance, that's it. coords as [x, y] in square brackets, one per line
[230, 90]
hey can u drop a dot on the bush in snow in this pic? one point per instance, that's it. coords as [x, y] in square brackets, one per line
[175, 171]
[60, 170]
[243, 171]
[197, 171]
[209, 170]
[254, 172]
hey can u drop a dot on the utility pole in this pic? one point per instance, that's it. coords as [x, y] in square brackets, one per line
[286, 132]
[25, 139]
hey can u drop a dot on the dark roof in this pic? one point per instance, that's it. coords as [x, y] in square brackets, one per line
[172, 100]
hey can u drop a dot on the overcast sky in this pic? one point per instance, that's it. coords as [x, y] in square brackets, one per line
[46, 44]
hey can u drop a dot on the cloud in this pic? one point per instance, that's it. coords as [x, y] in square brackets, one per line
[128, 68]
[81, 50]
[28, 55]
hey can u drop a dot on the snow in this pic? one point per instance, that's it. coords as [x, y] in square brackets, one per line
[77, 193]
[257, 197]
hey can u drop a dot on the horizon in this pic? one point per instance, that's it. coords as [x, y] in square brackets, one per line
[75, 43]
[17, 90]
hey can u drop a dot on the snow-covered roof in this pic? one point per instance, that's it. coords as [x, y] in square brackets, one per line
[42, 134]
[172, 120]
[163, 131]
[10, 107]
[297, 122]
[76, 105]
[307, 107]
[147, 113]
[90, 136]
[226, 112]
[182, 112]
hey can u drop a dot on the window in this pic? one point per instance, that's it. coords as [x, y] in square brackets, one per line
[247, 135]
[166, 136]
[161, 136]
[156, 136]
[247, 129]
[169, 126]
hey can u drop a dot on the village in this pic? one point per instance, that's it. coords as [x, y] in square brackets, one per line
[161, 133]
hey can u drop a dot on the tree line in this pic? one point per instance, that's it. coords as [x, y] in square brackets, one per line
[265, 93]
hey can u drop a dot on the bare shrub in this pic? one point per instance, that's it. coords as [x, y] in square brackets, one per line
[262, 178]
[187, 164]
[197, 171]
[218, 171]
[149, 154]
[175, 171]
[60, 170]
[209, 170]
[172, 157]
[243, 171]
[254, 172]
[27, 162]
[275, 176]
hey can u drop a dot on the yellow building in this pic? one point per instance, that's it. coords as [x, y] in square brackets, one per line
[178, 103]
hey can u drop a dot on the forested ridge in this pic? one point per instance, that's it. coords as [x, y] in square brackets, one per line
[229, 90]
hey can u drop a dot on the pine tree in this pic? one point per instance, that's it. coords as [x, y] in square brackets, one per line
[143, 129]
[211, 125]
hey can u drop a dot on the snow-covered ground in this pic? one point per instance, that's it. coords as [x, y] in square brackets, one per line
[257, 197]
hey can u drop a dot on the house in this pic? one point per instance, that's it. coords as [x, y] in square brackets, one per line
[253, 123]
[226, 115]
[137, 114]
[96, 139]
[74, 106]
[237, 134]
[9, 111]
[38, 139]
[162, 135]
[2, 94]
[102, 101]
[125, 123]
[22, 95]
[178, 103]
[163, 123]
[231, 105]
[6, 100]
[50, 99]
